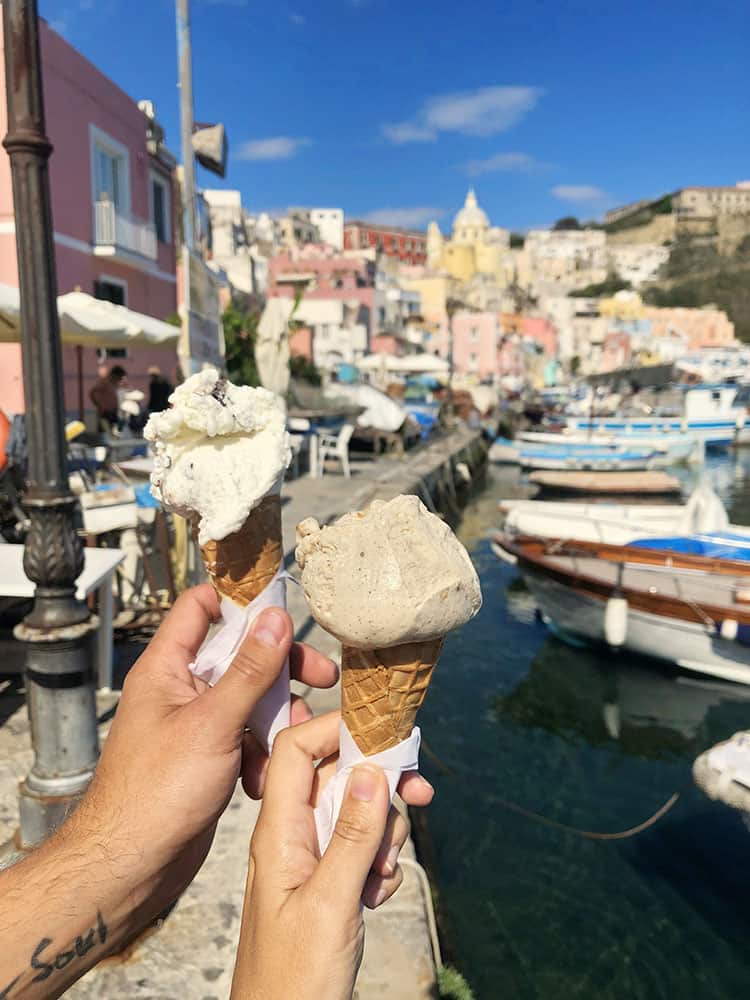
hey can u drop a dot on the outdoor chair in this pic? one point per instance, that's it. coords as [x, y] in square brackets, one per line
[335, 446]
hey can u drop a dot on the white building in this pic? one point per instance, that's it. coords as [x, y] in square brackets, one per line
[330, 225]
[637, 262]
[570, 258]
[240, 243]
[337, 333]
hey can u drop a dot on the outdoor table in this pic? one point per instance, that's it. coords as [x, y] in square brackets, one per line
[98, 570]
[138, 466]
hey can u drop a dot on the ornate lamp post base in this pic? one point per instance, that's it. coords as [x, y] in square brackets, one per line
[61, 702]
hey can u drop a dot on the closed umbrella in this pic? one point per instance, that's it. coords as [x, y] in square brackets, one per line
[272, 346]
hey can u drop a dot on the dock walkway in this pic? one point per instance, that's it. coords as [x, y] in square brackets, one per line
[191, 956]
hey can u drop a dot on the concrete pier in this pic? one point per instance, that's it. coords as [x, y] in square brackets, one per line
[191, 955]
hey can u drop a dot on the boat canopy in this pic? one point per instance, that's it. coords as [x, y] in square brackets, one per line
[714, 545]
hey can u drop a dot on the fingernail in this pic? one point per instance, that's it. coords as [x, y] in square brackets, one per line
[390, 861]
[269, 627]
[380, 896]
[363, 783]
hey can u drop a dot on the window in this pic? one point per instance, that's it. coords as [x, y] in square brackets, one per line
[110, 170]
[473, 360]
[110, 290]
[474, 334]
[160, 207]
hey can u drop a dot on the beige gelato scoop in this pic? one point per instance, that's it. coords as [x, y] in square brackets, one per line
[392, 574]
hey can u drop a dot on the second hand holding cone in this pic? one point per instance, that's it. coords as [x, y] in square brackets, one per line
[389, 582]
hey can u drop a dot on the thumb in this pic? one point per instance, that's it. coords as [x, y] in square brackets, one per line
[253, 670]
[358, 833]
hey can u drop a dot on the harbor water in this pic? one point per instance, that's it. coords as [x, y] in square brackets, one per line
[594, 740]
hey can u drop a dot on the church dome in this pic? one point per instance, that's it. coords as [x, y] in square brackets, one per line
[471, 215]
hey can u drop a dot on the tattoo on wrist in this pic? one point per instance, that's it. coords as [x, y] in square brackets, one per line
[45, 962]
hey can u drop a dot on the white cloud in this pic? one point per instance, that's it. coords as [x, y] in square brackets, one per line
[296, 18]
[582, 193]
[481, 112]
[402, 132]
[279, 147]
[406, 218]
[503, 161]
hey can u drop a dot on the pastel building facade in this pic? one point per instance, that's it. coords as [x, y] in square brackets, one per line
[705, 327]
[476, 340]
[113, 211]
[318, 272]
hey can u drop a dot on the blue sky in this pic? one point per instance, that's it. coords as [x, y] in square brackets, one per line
[391, 108]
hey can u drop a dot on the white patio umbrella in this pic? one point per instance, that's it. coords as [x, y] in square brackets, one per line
[272, 346]
[90, 322]
[411, 364]
[420, 364]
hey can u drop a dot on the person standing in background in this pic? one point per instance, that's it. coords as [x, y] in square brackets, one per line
[104, 396]
[159, 391]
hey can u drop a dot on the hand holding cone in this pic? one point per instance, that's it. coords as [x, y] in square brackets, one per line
[389, 582]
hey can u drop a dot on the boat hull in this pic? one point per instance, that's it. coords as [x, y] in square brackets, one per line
[693, 646]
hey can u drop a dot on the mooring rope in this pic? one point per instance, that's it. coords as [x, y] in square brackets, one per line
[592, 834]
[564, 827]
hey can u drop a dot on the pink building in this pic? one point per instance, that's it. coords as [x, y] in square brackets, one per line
[616, 351]
[706, 327]
[113, 212]
[542, 332]
[322, 273]
[476, 340]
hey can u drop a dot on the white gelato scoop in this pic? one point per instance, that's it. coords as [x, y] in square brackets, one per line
[217, 452]
[391, 574]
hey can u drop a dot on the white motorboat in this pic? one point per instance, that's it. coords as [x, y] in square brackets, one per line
[670, 449]
[584, 457]
[618, 524]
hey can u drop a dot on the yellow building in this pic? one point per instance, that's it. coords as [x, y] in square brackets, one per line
[435, 288]
[475, 247]
[623, 305]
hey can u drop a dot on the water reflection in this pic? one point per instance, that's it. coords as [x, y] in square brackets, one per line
[618, 701]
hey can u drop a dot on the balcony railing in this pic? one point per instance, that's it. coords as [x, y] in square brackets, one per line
[114, 230]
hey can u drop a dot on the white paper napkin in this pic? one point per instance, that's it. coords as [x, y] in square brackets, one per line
[271, 714]
[394, 761]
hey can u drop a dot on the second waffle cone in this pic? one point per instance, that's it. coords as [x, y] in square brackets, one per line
[382, 690]
[242, 565]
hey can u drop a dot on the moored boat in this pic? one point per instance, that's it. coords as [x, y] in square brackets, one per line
[692, 610]
[619, 524]
[607, 483]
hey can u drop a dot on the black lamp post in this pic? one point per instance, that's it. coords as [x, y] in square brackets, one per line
[59, 677]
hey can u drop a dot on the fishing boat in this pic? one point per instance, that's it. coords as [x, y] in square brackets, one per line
[708, 412]
[607, 483]
[580, 457]
[687, 608]
[619, 524]
[671, 449]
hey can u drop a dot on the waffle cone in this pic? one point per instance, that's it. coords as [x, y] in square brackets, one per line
[382, 690]
[242, 565]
